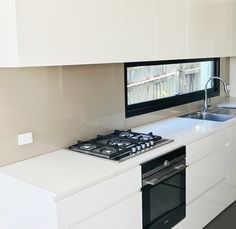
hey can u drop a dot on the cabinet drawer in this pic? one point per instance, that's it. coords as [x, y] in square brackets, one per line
[97, 198]
[206, 173]
[200, 213]
[205, 146]
[126, 214]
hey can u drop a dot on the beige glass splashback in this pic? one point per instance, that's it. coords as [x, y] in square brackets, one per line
[63, 104]
[59, 105]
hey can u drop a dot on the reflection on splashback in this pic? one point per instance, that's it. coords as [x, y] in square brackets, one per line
[59, 105]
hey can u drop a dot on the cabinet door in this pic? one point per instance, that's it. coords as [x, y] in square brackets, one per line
[208, 28]
[69, 32]
[220, 18]
[206, 173]
[139, 30]
[199, 22]
[233, 28]
[171, 29]
[232, 156]
[126, 214]
[8, 42]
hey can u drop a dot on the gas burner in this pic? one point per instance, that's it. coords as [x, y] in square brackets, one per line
[124, 134]
[120, 145]
[143, 137]
[87, 146]
[118, 142]
[106, 150]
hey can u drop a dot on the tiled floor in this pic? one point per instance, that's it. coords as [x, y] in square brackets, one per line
[226, 220]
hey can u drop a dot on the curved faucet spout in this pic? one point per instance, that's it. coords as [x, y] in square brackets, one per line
[211, 79]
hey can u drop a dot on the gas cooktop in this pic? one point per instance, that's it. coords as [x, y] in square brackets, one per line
[120, 145]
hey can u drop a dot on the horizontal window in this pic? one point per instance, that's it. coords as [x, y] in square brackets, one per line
[152, 86]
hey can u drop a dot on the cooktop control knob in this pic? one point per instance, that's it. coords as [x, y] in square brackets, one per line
[143, 146]
[166, 163]
[134, 149]
[147, 144]
[151, 143]
[138, 147]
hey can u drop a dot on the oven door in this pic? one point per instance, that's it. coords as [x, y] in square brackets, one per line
[164, 202]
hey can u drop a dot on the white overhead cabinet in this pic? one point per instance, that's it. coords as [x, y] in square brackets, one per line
[171, 27]
[139, 30]
[8, 49]
[49, 32]
[208, 28]
[233, 29]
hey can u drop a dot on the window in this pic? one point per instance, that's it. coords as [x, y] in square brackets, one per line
[151, 86]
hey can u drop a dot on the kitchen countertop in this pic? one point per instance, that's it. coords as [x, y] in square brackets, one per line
[64, 172]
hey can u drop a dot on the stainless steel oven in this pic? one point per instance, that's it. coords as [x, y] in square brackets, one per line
[164, 190]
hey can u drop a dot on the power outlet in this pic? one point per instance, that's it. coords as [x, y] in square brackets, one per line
[24, 139]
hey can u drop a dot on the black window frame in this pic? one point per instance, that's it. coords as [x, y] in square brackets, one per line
[159, 104]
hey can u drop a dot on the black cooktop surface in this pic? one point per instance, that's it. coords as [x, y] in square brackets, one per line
[119, 145]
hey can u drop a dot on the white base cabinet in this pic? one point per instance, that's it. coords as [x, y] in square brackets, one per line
[207, 189]
[125, 215]
[117, 198]
[232, 156]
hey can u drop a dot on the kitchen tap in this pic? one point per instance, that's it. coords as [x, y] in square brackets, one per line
[206, 99]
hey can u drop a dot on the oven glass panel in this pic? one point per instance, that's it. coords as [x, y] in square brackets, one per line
[167, 195]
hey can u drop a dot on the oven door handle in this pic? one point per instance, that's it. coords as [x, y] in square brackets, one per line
[159, 178]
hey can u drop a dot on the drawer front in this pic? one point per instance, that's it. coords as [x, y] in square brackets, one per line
[206, 173]
[126, 214]
[91, 201]
[199, 213]
[205, 146]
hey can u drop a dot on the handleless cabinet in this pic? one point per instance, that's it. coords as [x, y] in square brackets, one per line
[47, 32]
[233, 28]
[232, 156]
[171, 28]
[139, 30]
[208, 29]
[8, 39]
[69, 32]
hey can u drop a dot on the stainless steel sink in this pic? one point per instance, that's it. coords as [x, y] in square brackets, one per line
[217, 114]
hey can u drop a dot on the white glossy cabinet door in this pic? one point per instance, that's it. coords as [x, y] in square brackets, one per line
[233, 28]
[69, 32]
[221, 31]
[200, 213]
[171, 39]
[206, 173]
[199, 22]
[232, 147]
[8, 42]
[208, 28]
[125, 215]
[139, 30]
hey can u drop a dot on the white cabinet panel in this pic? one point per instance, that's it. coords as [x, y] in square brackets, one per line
[69, 32]
[8, 42]
[204, 174]
[125, 215]
[200, 149]
[171, 29]
[232, 156]
[199, 22]
[233, 28]
[220, 18]
[89, 202]
[208, 28]
[222, 193]
[139, 30]
[199, 213]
